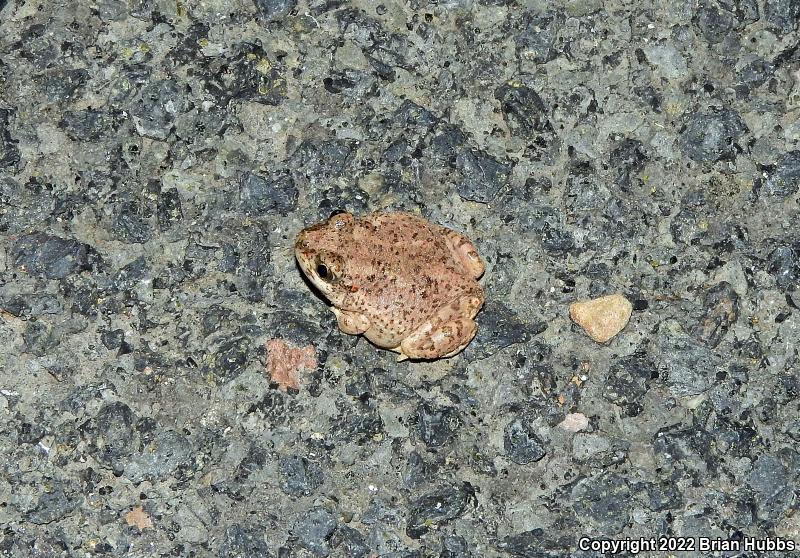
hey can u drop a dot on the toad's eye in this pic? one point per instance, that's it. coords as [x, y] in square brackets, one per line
[324, 272]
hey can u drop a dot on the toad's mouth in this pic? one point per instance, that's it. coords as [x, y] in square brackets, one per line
[305, 261]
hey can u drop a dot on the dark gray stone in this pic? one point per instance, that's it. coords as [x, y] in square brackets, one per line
[313, 530]
[397, 150]
[411, 115]
[274, 10]
[382, 69]
[482, 176]
[359, 425]
[604, 500]
[338, 82]
[454, 546]
[628, 379]
[253, 462]
[418, 472]
[230, 358]
[299, 476]
[713, 23]
[660, 496]
[349, 542]
[499, 327]
[782, 15]
[437, 508]
[79, 397]
[536, 43]
[89, 124]
[523, 110]
[40, 338]
[111, 435]
[711, 137]
[32, 305]
[447, 142]
[275, 194]
[29, 433]
[252, 275]
[246, 72]
[784, 181]
[87, 296]
[342, 198]
[628, 158]
[746, 11]
[722, 311]
[755, 73]
[688, 450]
[649, 96]
[10, 159]
[687, 367]
[684, 227]
[323, 160]
[169, 209]
[131, 221]
[53, 257]
[521, 443]
[537, 543]
[131, 274]
[161, 458]
[437, 425]
[53, 505]
[296, 328]
[244, 541]
[62, 84]
[774, 479]
[113, 338]
[230, 258]
[555, 239]
[156, 107]
[784, 264]
[735, 437]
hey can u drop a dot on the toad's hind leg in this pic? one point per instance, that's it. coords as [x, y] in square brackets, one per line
[464, 252]
[446, 333]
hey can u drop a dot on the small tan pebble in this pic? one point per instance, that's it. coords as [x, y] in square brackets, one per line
[602, 318]
[574, 422]
[139, 518]
[286, 362]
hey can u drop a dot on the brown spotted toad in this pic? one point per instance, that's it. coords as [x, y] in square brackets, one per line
[407, 284]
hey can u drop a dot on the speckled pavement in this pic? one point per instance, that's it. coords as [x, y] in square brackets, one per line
[157, 159]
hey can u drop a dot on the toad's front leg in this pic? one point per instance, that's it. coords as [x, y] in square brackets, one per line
[352, 323]
[445, 333]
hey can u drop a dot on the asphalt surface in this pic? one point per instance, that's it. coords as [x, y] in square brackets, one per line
[157, 159]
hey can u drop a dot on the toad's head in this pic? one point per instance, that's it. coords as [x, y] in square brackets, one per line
[322, 253]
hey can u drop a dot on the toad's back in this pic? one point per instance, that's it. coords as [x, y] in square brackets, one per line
[402, 269]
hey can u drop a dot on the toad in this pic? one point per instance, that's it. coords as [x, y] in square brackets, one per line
[406, 284]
